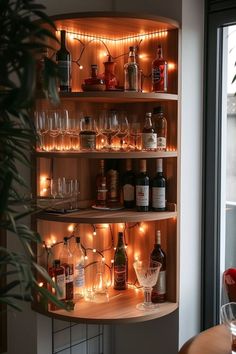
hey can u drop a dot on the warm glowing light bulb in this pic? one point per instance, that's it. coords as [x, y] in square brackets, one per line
[94, 233]
[103, 259]
[70, 227]
[126, 246]
[112, 261]
[171, 66]
[94, 250]
[114, 248]
[40, 284]
[81, 67]
[141, 228]
[86, 257]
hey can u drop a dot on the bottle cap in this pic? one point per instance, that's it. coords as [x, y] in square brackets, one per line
[132, 48]
[158, 110]
[65, 239]
[120, 234]
[159, 165]
[94, 66]
[143, 165]
[128, 164]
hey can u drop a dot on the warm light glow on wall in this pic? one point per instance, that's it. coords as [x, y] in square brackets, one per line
[171, 66]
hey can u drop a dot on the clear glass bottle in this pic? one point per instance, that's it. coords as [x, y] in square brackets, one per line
[158, 255]
[159, 72]
[160, 125]
[79, 276]
[63, 59]
[149, 135]
[131, 71]
[66, 260]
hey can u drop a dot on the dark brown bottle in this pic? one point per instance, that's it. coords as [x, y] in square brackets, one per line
[120, 264]
[113, 194]
[158, 255]
[63, 59]
[66, 259]
[128, 186]
[142, 188]
[101, 186]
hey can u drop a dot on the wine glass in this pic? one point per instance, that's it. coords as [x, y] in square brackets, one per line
[41, 125]
[147, 272]
[63, 126]
[109, 126]
[135, 134]
[228, 317]
[53, 124]
[123, 128]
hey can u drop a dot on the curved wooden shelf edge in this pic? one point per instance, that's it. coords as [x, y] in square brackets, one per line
[107, 155]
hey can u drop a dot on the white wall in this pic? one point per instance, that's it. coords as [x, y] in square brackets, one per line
[154, 333]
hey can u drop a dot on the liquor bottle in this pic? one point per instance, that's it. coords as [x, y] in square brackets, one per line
[158, 255]
[63, 59]
[142, 188]
[159, 72]
[79, 277]
[128, 186]
[66, 259]
[159, 188]
[120, 264]
[94, 83]
[57, 273]
[87, 135]
[149, 135]
[101, 186]
[160, 125]
[113, 182]
[131, 71]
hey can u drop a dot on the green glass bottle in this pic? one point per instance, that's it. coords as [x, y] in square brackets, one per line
[120, 264]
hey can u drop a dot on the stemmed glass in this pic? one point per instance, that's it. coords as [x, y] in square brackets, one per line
[41, 125]
[53, 123]
[147, 272]
[109, 126]
[63, 126]
[135, 134]
[228, 317]
[123, 128]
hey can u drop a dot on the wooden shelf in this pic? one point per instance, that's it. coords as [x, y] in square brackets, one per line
[120, 309]
[107, 154]
[90, 216]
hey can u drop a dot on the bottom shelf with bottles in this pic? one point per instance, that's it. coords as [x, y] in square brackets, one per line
[99, 244]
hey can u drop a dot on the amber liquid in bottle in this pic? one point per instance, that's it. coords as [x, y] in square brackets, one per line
[120, 264]
[149, 135]
[159, 72]
[101, 186]
[160, 125]
[158, 255]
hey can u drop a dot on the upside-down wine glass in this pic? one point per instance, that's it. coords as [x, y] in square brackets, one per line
[147, 272]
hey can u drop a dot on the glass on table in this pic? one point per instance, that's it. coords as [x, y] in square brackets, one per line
[147, 272]
[228, 317]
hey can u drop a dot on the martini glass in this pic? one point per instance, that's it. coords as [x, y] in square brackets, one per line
[147, 272]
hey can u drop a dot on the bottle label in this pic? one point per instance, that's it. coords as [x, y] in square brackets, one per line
[128, 190]
[142, 195]
[60, 281]
[158, 197]
[160, 286]
[88, 142]
[68, 272]
[161, 142]
[112, 181]
[149, 140]
[119, 276]
[79, 275]
[64, 71]
[156, 74]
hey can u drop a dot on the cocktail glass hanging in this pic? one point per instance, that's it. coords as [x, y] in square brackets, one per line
[123, 129]
[41, 126]
[147, 272]
[109, 126]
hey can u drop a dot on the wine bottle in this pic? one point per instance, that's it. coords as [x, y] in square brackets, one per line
[160, 125]
[142, 188]
[87, 135]
[159, 72]
[128, 186]
[79, 278]
[120, 264]
[158, 186]
[66, 259]
[113, 182]
[158, 255]
[131, 71]
[149, 135]
[101, 186]
[63, 59]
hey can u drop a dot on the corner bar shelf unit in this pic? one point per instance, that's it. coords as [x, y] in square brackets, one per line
[118, 31]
